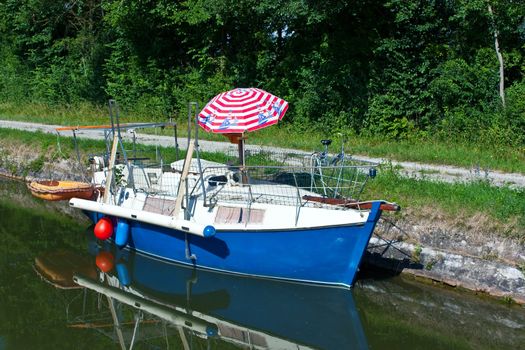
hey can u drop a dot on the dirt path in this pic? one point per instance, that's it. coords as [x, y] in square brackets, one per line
[411, 169]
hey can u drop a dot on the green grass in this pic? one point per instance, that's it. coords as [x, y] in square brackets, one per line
[504, 207]
[483, 157]
[80, 114]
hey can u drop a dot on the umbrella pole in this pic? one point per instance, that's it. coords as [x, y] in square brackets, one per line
[242, 160]
[240, 145]
[239, 138]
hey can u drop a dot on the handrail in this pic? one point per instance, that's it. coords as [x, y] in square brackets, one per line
[122, 126]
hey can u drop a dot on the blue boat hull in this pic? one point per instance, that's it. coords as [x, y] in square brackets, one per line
[328, 255]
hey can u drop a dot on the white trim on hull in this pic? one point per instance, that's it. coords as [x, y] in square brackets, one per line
[144, 216]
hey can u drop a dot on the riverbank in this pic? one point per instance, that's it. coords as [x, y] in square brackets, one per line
[450, 256]
[463, 251]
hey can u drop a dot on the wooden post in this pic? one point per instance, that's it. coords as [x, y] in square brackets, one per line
[182, 182]
[111, 165]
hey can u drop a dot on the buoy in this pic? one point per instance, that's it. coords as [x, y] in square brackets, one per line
[104, 228]
[209, 231]
[123, 274]
[105, 261]
[122, 233]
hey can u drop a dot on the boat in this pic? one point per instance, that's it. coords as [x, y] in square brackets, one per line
[272, 220]
[53, 190]
[149, 298]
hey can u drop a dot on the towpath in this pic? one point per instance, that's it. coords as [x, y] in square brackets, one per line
[411, 169]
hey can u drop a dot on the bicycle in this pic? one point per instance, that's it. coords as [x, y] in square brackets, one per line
[327, 169]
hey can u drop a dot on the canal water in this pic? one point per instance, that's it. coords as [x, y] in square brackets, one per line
[62, 289]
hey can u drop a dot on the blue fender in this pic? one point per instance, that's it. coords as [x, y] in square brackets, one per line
[122, 233]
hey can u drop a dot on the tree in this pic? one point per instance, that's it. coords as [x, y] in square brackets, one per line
[499, 55]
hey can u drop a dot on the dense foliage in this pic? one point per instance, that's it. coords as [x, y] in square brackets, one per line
[395, 68]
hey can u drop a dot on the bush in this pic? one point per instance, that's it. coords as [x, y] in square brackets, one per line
[515, 110]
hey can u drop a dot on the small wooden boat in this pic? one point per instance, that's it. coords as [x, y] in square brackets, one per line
[52, 190]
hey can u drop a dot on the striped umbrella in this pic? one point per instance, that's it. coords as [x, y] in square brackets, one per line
[240, 110]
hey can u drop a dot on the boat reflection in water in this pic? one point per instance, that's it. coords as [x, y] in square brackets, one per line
[189, 308]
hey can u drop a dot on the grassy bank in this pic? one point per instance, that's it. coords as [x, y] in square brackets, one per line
[477, 206]
[472, 206]
[429, 150]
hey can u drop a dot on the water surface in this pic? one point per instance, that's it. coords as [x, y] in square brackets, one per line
[150, 304]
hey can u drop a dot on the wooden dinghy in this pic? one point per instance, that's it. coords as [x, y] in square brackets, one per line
[52, 190]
